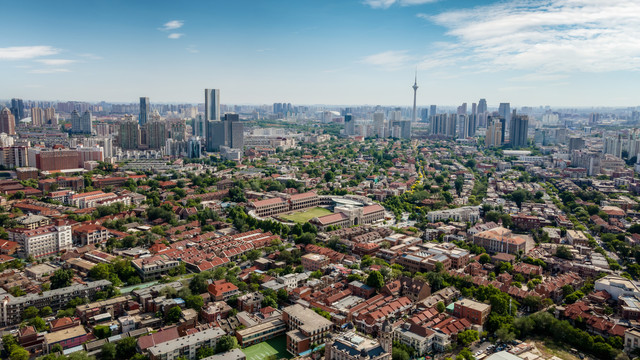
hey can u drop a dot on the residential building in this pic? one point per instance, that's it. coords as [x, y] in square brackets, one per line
[7, 122]
[352, 346]
[475, 312]
[500, 239]
[306, 328]
[222, 290]
[151, 268]
[66, 338]
[261, 332]
[145, 109]
[42, 241]
[186, 346]
[81, 124]
[313, 262]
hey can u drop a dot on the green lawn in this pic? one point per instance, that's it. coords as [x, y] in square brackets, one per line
[276, 346]
[304, 216]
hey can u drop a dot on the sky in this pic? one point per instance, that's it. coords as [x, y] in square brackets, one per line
[528, 52]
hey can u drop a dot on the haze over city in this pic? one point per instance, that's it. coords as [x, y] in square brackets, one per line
[527, 52]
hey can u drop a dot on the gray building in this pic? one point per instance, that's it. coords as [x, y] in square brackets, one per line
[518, 131]
[212, 104]
[229, 133]
[81, 124]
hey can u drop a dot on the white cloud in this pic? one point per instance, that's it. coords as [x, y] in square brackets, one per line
[49, 71]
[192, 49]
[385, 4]
[56, 62]
[172, 25]
[544, 36]
[175, 36]
[26, 52]
[389, 60]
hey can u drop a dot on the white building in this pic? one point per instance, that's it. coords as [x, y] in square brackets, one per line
[42, 241]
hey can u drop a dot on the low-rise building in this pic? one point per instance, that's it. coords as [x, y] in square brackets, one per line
[67, 338]
[475, 312]
[154, 267]
[306, 328]
[313, 262]
[186, 346]
[222, 290]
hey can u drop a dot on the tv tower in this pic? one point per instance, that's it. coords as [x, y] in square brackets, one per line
[415, 92]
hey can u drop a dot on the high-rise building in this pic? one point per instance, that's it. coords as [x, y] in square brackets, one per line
[199, 127]
[518, 131]
[156, 134]
[212, 104]
[177, 129]
[37, 116]
[229, 133]
[474, 109]
[17, 109]
[432, 110]
[504, 110]
[482, 106]
[81, 124]
[50, 117]
[462, 109]
[503, 126]
[349, 125]
[194, 151]
[7, 122]
[576, 143]
[379, 124]
[145, 110]
[59, 159]
[129, 135]
[493, 136]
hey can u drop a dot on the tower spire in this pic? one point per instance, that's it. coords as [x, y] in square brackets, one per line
[415, 91]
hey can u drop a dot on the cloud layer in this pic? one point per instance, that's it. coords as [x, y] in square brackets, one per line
[542, 36]
[26, 52]
[172, 25]
[385, 4]
[389, 60]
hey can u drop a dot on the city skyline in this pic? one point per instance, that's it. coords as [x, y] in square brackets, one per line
[526, 52]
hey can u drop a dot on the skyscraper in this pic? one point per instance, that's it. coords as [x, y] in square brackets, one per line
[505, 112]
[7, 122]
[145, 109]
[482, 106]
[212, 104]
[432, 110]
[37, 116]
[81, 124]
[129, 135]
[518, 131]
[17, 109]
[474, 108]
[494, 135]
[378, 121]
[199, 127]
[349, 125]
[156, 134]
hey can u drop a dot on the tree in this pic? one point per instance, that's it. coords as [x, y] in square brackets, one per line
[399, 354]
[465, 354]
[484, 258]
[440, 306]
[38, 323]
[467, 337]
[439, 267]
[126, 348]
[194, 302]
[61, 278]
[108, 352]
[173, 315]
[375, 280]
[226, 343]
[19, 353]
[505, 334]
[57, 348]
[564, 252]
[30, 312]
[102, 331]
[205, 351]
[46, 311]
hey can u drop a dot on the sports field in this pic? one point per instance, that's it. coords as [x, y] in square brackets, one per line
[304, 216]
[276, 346]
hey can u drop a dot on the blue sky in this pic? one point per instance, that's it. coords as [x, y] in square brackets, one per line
[527, 52]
